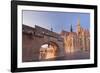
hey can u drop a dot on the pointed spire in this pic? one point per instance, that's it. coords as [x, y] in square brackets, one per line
[78, 22]
[78, 26]
[71, 29]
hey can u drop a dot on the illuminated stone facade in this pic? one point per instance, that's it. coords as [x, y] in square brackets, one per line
[76, 41]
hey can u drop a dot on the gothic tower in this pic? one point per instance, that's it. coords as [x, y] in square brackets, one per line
[78, 27]
[79, 32]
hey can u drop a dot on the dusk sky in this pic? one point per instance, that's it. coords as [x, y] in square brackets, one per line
[57, 20]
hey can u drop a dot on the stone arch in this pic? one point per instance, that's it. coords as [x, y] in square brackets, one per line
[48, 50]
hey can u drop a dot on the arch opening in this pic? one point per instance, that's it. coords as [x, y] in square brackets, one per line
[48, 51]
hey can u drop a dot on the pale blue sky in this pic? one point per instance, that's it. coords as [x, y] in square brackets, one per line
[56, 20]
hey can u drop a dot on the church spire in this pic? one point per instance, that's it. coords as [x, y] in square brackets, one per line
[78, 26]
[78, 22]
[71, 29]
